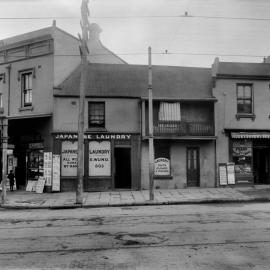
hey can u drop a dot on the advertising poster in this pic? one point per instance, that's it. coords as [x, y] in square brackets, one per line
[99, 158]
[231, 173]
[48, 168]
[40, 185]
[222, 174]
[56, 173]
[69, 160]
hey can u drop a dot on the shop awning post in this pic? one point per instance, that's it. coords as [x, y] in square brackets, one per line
[4, 142]
[151, 135]
[84, 52]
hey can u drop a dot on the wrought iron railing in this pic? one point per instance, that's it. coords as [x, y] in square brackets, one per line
[180, 128]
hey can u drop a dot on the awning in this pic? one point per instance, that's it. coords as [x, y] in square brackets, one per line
[250, 135]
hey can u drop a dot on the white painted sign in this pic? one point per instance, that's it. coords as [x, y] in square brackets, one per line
[30, 185]
[99, 158]
[40, 185]
[69, 160]
[56, 173]
[162, 167]
[48, 168]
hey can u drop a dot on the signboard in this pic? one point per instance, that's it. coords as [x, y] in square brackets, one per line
[30, 185]
[222, 174]
[162, 167]
[40, 185]
[230, 173]
[69, 156]
[56, 173]
[99, 158]
[36, 145]
[48, 168]
[112, 136]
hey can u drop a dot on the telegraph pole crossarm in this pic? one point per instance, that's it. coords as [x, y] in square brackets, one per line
[84, 51]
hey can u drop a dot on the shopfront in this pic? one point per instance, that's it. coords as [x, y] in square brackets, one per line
[111, 161]
[250, 153]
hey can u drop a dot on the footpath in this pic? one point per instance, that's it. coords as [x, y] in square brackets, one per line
[64, 200]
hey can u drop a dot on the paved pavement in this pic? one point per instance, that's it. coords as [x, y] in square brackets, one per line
[30, 200]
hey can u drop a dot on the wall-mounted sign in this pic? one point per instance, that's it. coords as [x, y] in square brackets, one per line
[36, 145]
[69, 156]
[162, 166]
[56, 173]
[223, 178]
[73, 136]
[99, 158]
[48, 168]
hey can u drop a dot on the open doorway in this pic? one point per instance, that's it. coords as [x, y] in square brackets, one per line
[122, 177]
[261, 165]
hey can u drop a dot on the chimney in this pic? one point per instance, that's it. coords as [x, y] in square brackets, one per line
[94, 31]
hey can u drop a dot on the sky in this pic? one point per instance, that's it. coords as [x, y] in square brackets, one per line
[129, 27]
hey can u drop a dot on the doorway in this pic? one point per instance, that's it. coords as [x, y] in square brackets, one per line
[193, 167]
[122, 177]
[261, 165]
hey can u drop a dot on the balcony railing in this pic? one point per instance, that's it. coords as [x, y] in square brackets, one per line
[180, 128]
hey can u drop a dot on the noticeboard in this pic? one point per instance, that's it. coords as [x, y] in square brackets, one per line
[56, 173]
[48, 168]
[231, 173]
[223, 177]
[40, 185]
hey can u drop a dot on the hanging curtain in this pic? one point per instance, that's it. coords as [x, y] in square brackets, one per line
[169, 111]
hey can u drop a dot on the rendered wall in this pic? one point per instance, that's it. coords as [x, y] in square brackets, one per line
[178, 165]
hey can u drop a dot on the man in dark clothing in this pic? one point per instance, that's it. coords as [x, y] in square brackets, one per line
[11, 177]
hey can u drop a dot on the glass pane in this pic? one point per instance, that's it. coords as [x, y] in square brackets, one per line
[240, 91]
[247, 108]
[247, 91]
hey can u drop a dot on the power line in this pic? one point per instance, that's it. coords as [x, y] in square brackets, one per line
[154, 53]
[140, 17]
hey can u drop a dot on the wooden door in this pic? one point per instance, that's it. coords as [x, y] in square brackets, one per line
[193, 167]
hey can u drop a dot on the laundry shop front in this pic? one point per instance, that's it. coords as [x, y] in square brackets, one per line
[111, 160]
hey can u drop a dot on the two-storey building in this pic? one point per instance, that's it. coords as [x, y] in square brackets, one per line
[116, 127]
[184, 128]
[31, 65]
[242, 116]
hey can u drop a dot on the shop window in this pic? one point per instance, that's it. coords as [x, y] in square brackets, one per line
[27, 85]
[162, 160]
[244, 93]
[96, 114]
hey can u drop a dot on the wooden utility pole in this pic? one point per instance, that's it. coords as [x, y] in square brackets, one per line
[151, 135]
[4, 142]
[84, 51]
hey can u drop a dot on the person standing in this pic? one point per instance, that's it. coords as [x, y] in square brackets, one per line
[11, 177]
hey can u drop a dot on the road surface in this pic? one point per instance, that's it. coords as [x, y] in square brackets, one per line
[221, 236]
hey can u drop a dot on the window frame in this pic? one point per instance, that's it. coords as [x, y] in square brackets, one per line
[243, 98]
[103, 115]
[24, 90]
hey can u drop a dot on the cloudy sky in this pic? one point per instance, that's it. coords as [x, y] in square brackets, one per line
[130, 26]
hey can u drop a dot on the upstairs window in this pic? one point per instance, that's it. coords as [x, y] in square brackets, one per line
[96, 114]
[244, 99]
[169, 111]
[27, 85]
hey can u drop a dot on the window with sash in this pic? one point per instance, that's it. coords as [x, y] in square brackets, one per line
[27, 87]
[244, 94]
[96, 114]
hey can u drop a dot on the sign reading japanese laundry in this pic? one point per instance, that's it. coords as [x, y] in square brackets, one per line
[99, 158]
[162, 166]
[48, 168]
[56, 173]
[69, 156]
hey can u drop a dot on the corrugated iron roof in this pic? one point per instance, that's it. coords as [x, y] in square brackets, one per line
[132, 81]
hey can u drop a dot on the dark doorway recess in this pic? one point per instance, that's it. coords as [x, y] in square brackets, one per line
[122, 177]
[193, 167]
[261, 164]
